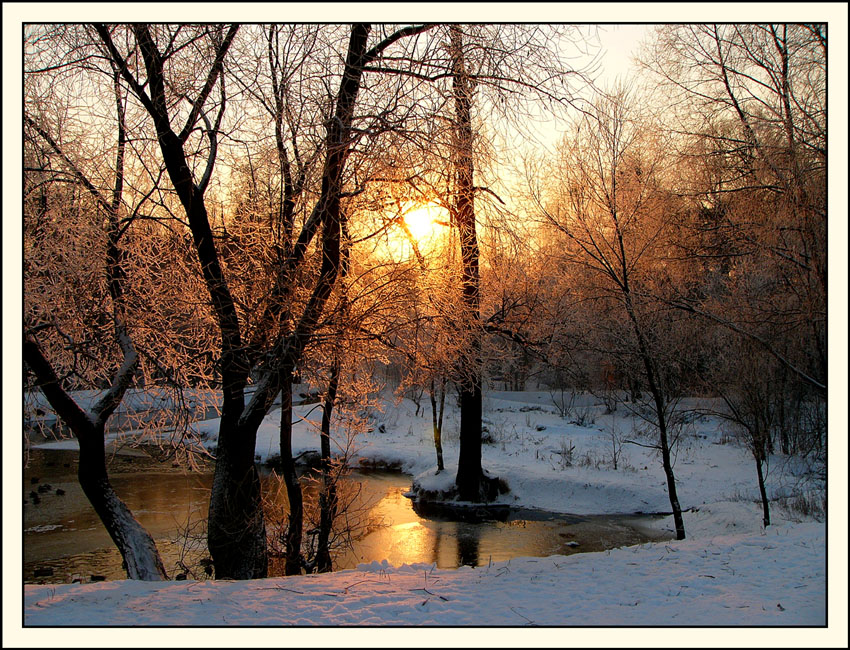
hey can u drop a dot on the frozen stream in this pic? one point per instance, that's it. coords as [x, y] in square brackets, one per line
[63, 537]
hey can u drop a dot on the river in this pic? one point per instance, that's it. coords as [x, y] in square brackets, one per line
[63, 540]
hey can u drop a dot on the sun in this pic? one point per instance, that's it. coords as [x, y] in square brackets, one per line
[425, 221]
[417, 230]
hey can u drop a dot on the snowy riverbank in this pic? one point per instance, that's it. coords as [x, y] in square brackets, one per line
[730, 571]
[555, 463]
[773, 577]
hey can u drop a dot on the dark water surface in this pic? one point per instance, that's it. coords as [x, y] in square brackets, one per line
[62, 534]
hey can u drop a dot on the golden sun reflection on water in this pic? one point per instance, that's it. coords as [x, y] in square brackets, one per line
[405, 538]
[400, 539]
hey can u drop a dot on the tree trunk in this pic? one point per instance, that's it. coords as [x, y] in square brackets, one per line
[236, 531]
[138, 549]
[327, 497]
[763, 491]
[437, 419]
[469, 470]
[294, 529]
[663, 441]
[671, 481]
[660, 411]
[784, 444]
[470, 476]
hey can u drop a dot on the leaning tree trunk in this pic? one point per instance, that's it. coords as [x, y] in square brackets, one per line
[141, 559]
[138, 549]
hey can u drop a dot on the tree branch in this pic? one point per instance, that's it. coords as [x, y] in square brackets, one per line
[66, 408]
[215, 70]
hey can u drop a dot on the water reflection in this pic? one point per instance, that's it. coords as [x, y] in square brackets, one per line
[468, 544]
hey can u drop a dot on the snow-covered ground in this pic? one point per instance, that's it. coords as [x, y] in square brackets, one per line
[731, 579]
[730, 571]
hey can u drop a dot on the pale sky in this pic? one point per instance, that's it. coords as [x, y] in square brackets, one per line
[619, 43]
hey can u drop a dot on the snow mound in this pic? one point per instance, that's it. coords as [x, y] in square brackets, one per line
[433, 481]
[724, 518]
[375, 567]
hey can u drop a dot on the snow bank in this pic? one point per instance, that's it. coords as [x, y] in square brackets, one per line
[771, 578]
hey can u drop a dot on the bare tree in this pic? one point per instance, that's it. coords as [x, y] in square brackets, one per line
[752, 397]
[236, 527]
[141, 558]
[609, 206]
[502, 67]
[470, 477]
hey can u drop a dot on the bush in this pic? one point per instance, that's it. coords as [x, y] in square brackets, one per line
[805, 506]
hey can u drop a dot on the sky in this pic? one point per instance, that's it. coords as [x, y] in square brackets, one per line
[619, 44]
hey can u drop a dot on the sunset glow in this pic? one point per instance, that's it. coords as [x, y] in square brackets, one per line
[426, 221]
[417, 231]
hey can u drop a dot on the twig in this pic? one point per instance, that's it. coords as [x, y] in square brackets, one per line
[295, 591]
[639, 444]
[530, 622]
[353, 584]
[430, 593]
